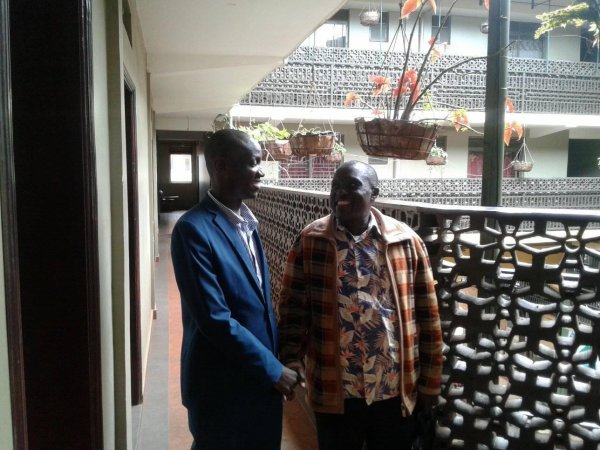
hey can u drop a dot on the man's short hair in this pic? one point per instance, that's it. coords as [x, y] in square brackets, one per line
[370, 172]
[223, 143]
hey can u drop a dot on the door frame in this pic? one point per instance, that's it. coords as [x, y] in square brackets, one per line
[10, 250]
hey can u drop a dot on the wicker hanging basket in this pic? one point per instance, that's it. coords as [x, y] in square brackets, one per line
[523, 161]
[312, 144]
[279, 150]
[369, 17]
[522, 166]
[400, 139]
[435, 161]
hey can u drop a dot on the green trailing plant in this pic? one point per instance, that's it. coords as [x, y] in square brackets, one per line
[265, 132]
[438, 152]
[303, 131]
[579, 14]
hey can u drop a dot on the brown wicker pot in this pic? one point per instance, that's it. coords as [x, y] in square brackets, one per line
[401, 139]
[280, 150]
[435, 161]
[312, 144]
[522, 166]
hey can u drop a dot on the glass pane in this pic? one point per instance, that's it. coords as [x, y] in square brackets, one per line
[181, 168]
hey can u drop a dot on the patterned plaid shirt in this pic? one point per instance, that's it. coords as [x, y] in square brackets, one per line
[309, 318]
[369, 339]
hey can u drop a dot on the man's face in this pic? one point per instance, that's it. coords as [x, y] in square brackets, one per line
[351, 196]
[243, 170]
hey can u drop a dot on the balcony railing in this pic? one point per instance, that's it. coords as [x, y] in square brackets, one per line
[519, 297]
[579, 193]
[321, 77]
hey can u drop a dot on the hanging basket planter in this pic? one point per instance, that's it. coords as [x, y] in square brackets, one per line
[435, 161]
[279, 150]
[370, 17]
[312, 144]
[522, 166]
[523, 161]
[402, 139]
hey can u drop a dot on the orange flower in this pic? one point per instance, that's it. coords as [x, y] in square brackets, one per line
[382, 84]
[460, 119]
[436, 54]
[407, 84]
[510, 128]
[408, 7]
[411, 5]
[351, 97]
[508, 105]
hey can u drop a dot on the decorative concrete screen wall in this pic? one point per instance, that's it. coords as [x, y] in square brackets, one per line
[519, 296]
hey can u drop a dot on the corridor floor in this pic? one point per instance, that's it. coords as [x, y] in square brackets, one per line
[160, 422]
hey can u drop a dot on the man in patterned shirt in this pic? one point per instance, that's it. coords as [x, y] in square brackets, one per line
[358, 320]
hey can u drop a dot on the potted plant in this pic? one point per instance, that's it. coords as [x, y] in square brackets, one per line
[312, 141]
[394, 132]
[273, 140]
[437, 156]
[337, 152]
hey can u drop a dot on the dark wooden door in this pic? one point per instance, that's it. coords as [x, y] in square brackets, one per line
[54, 211]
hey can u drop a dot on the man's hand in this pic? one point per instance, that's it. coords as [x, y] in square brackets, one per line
[287, 382]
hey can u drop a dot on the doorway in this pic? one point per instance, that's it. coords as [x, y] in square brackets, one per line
[181, 175]
[135, 332]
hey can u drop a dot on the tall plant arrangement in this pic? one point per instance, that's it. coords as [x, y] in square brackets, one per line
[394, 132]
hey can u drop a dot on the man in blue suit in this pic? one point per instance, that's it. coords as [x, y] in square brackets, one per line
[231, 381]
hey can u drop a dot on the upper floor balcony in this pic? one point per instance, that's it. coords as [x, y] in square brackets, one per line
[319, 77]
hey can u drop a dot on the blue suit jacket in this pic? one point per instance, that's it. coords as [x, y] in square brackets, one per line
[229, 328]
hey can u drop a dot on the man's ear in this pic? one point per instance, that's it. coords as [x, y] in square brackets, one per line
[219, 164]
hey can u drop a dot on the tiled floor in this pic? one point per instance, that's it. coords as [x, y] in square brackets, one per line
[160, 423]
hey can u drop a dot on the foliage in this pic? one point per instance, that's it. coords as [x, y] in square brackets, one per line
[438, 151]
[580, 13]
[303, 131]
[265, 131]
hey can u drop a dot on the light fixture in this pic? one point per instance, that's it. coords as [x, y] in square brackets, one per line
[484, 27]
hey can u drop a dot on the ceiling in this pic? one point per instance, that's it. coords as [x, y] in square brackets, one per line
[204, 55]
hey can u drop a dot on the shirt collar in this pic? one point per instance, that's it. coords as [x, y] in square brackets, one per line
[372, 226]
[244, 218]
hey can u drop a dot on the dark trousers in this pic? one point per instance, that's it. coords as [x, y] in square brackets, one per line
[379, 425]
[237, 425]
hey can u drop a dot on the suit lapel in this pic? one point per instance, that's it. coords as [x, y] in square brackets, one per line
[238, 247]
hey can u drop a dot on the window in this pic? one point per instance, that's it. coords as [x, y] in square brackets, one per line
[333, 33]
[380, 31]
[475, 159]
[181, 168]
[444, 36]
[526, 46]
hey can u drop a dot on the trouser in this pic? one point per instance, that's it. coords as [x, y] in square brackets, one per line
[379, 425]
[240, 425]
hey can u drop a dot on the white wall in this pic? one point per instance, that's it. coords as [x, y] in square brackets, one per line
[104, 217]
[550, 155]
[465, 36]
[6, 434]
[564, 44]
[134, 60]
